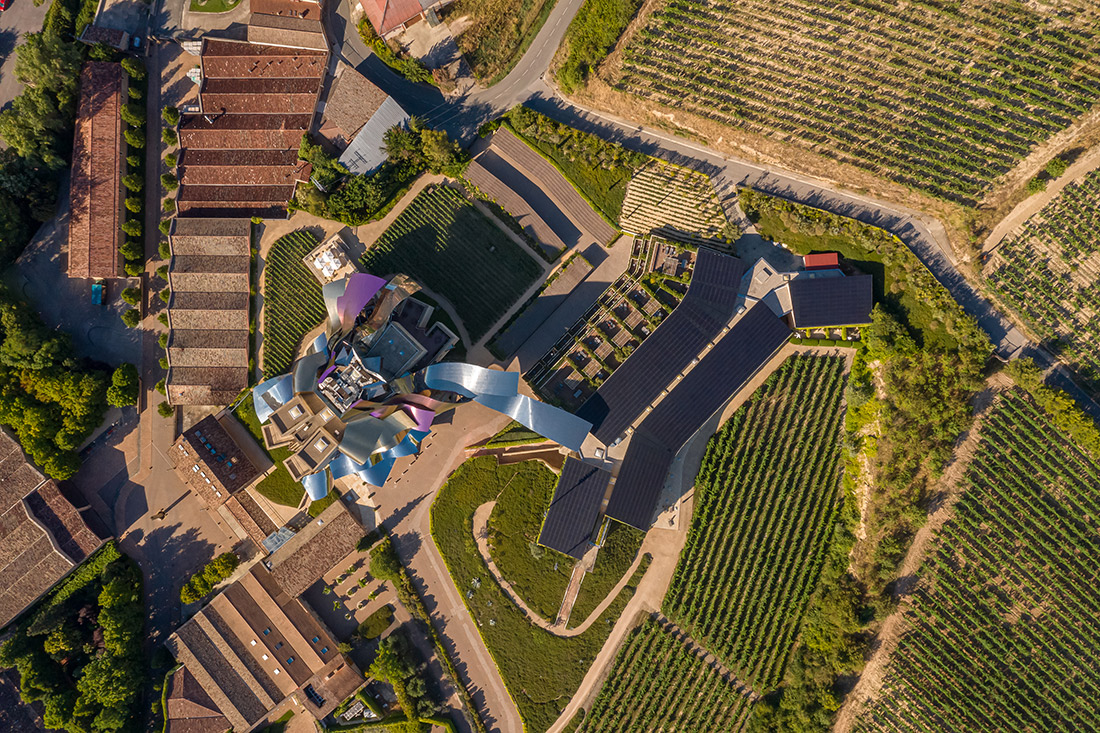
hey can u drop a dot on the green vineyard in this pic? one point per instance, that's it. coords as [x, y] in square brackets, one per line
[444, 243]
[1049, 274]
[939, 95]
[1002, 631]
[658, 683]
[292, 300]
[765, 501]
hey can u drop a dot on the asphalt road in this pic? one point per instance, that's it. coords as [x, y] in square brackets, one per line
[20, 18]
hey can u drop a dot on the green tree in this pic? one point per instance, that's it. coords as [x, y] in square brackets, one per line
[170, 182]
[134, 138]
[171, 115]
[124, 386]
[170, 136]
[132, 114]
[133, 182]
[132, 249]
[165, 410]
[1056, 167]
[131, 296]
[131, 317]
[1035, 185]
[401, 144]
[134, 204]
[168, 206]
[49, 69]
[171, 160]
[132, 227]
[134, 268]
[62, 641]
[164, 250]
[441, 154]
[165, 295]
[133, 67]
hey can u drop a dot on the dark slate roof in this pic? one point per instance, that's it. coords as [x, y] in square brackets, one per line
[733, 361]
[571, 520]
[700, 318]
[831, 301]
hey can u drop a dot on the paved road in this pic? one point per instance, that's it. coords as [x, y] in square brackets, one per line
[20, 18]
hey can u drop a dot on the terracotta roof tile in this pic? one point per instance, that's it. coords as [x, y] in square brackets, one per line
[96, 192]
[226, 194]
[386, 15]
[352, 101]
[312, 552]
[222, 47]
[196, 158]
[239, 175]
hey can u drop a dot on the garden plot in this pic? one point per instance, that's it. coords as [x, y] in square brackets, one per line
[1048, 272]
[675, 202]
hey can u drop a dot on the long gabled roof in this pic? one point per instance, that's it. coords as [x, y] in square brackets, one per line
[386, 15]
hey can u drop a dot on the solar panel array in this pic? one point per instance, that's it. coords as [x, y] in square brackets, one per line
[748, 345]
[571, 520]
[706, 308]
[832, 301]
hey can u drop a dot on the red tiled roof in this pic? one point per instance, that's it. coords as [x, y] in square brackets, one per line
[190, 709]
[95, 194]
[821, 260]
[239, 175]
[257, 66]
[259, 103]
[238, 157]
[221, 47]
[226, 194]
[75, 538]
[386, 15]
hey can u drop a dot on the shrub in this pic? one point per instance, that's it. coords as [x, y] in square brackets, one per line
[215, 571]
[171, 160]
[133, 182]
[165, 226]
[165, 410]
[165, 294]
[171, 115]
[134, 268]
[170, 182]
[132, 227]
[124, 386]
[132, 250]
[163, 318]
[135, 138]
[133, 161]
[168, 206]
[133, 67]
[376, 624]
[131, 296]
[131, 317]
[133, 203]
[1035, 185]
[162, 341]
[161, 387]
[1056, 167]
[162, 272]
[169, 136]
[135, 92]
[164, 249]
[163, 363]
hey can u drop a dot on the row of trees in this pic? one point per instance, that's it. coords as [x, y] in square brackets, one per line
[199, 585]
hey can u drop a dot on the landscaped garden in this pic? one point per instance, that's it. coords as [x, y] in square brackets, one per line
[614, 558]
[293, 305]
[443, 242]
[277, 486]
[541, 670]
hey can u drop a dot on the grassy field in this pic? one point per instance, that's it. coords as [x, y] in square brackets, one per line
[498, 34]
[766, 498]
[658, 683]
[1001, 631]
[619, 549]
[443, 242]
[1049, 274]
[541, 670]
[539, 575]
[944, 97]
[293, 305]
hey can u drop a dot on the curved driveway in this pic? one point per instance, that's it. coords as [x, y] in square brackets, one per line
[526, 83]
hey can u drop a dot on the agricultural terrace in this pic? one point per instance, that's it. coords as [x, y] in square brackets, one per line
[523, 652]
[1049, 274]
[766, 498]
[1002, 628]
[293, 305]
[944, 97]
[677, 201]
[444, 243]
[660, 683]
[599, 169]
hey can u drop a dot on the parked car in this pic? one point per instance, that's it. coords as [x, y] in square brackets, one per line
[99, 287]
[3, 5]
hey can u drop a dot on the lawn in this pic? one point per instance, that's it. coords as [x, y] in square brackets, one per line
[514, 434]
[537, 574]
[619, 549]
[444, 243]
[278, 486]
[293, 305]
[541, 670]
[213, 6]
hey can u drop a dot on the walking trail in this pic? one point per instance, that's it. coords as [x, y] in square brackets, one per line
[951, 489]
[481, 536]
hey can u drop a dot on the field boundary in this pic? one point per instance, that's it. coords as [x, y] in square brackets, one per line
[886, 641]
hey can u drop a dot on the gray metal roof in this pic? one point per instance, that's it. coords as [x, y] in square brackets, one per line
[365, 153]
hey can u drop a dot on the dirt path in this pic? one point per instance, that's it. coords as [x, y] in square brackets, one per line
[870, 680]
[481, 537]
[1033, 204]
